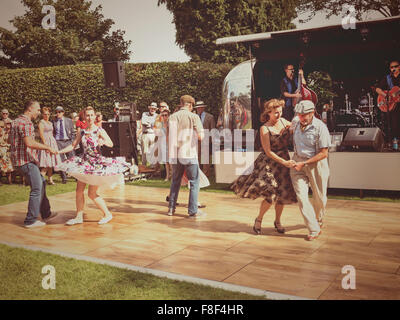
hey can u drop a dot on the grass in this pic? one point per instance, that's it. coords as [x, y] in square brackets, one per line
[18, 192]
[21, 278]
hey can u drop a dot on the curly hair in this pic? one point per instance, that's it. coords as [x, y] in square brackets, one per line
[269, 106]
[45, 109]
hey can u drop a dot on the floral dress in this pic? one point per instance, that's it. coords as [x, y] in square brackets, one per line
[269, 179]
[91, 167]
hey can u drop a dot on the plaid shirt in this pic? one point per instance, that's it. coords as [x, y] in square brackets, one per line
[20, 154]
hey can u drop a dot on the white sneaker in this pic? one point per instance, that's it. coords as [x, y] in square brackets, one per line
[105, 220]
[199, 214]
[37, 223]
[74, 221]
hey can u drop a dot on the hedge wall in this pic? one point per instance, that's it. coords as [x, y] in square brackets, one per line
[77, 86]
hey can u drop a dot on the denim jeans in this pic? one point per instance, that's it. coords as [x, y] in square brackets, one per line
[38, 185]
[192, 171]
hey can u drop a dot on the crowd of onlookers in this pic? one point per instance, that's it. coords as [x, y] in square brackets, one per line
[153, 126]
[58, 130]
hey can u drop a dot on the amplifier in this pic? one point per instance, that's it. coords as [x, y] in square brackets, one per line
[123, 136]
[365, 139]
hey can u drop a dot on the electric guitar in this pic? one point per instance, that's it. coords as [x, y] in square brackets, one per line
[389, 102]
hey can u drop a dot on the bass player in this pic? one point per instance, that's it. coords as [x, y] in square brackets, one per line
[288, 90]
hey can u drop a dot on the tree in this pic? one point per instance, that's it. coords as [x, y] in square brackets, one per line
[80, 35]
[200, 22]
[337, 7]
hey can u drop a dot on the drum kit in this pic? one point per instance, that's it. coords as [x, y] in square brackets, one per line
[365, 115]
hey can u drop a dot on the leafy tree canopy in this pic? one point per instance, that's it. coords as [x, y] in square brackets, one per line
[80, 35]
[339, 7]
[200, 22]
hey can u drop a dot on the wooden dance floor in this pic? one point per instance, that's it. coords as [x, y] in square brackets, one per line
[223, 247]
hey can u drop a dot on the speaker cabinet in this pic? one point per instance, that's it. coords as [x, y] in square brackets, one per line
[114, 74]
[364, 139]
[123, 136]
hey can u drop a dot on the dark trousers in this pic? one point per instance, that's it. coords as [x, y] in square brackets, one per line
[38, 202]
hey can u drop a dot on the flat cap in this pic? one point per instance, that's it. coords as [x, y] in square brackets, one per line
[304, 106]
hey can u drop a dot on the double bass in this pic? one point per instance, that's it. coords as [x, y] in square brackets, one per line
[306, 93]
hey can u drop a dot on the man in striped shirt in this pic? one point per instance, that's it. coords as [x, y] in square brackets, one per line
[24, 157]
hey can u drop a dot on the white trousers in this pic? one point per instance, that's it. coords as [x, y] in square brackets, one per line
[146, 144]
[316, 175]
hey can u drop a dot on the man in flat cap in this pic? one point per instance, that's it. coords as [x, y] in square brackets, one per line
[208, 122]
[311, 141]
[64, 133]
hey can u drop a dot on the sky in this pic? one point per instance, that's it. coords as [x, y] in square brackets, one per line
[148, 26]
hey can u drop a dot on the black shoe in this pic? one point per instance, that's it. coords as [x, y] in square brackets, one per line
[167, 199]
[64, 182]
[278, 227]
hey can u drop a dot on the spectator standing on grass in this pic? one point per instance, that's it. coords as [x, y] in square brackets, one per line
[47, 161]
[64, 135]
[6, 167]
[148, 136]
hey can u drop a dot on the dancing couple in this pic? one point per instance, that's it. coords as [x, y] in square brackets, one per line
[280, 180]
[88, 168]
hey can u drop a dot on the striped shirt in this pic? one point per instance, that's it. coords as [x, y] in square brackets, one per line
[20, 154]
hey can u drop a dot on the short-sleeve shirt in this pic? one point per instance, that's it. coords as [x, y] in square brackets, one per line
[315, 136]
[20, 154]
[184, 127]
[148, 121]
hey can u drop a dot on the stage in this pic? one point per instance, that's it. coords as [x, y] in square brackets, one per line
[223, 247]
[348, 170]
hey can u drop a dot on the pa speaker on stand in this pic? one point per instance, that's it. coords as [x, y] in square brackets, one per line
[114, 74]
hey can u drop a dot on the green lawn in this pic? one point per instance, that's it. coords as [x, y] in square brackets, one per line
[21, 278]
[17, 192]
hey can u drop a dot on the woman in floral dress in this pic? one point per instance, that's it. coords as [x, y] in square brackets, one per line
[92, 168]
[270, 177]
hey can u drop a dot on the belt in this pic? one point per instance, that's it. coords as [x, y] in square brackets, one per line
[298, 156]
[64, 140]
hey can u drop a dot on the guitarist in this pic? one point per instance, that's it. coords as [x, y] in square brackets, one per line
[387, 83]
[288, 90]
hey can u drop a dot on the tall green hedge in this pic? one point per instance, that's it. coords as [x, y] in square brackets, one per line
[77, 86]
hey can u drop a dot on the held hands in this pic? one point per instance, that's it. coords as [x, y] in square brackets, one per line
[290, 163]
[293, 164]
[299, 165]
[52, 151]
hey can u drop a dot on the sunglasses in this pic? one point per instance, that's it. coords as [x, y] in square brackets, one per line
[164, 115]
[59, 111]
[394, 67]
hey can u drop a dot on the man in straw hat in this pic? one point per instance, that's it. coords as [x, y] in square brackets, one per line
[311, 141]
